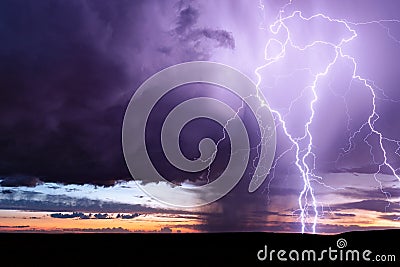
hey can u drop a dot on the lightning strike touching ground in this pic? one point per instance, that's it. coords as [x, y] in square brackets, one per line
[305, 158]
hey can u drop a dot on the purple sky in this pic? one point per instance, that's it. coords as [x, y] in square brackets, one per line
[69, 68]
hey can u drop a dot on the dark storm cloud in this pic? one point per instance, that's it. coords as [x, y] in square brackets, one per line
[21, 200]
[339, 228]
[18, 180]
[186, 29]
[365, 168]
[284, 192]
[187, 18]
[356, 193]
[166, 229]
[69, 68]
[81, 207]
[79, 215]
[100, 216]
[94, 230]
[390, 217]
[127, 216]
[222, 38]
[76, 230]
[60, 83]
[344, 214]
[238, 211]
[67, 72]
[369, 205]
[195, 38]
[14, 226]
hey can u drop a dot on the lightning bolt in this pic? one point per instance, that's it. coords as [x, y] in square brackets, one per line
[211, 158]
[305, 158]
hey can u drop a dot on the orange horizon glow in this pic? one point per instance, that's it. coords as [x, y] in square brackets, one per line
[34, 221]
[22, 221]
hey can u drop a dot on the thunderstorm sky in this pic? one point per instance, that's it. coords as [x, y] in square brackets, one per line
[69, 68]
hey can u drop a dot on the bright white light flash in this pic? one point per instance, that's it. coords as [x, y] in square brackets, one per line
[303, 146]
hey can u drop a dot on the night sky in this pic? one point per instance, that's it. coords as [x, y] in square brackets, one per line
[69, 68]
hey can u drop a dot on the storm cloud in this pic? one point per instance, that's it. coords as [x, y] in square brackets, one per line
[67, 72]
[69, 68]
